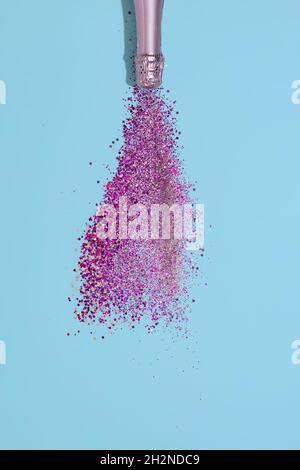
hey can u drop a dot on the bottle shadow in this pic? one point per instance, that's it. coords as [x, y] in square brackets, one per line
[130, 45]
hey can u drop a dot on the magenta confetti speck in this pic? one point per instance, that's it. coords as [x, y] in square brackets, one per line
[139, 281]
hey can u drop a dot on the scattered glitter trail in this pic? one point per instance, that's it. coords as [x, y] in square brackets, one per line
[139, 281]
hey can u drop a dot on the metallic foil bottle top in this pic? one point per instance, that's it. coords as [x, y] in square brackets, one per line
[149, 61]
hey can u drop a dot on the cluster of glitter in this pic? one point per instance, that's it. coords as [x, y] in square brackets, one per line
[125, 281]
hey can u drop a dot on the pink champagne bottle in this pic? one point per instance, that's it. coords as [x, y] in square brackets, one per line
[149, 61]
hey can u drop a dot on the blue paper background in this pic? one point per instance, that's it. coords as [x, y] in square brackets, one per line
[230, 66]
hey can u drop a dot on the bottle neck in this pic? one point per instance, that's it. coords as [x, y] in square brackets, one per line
[149, 19]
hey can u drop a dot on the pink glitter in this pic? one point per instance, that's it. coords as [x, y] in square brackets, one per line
[139, 281]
